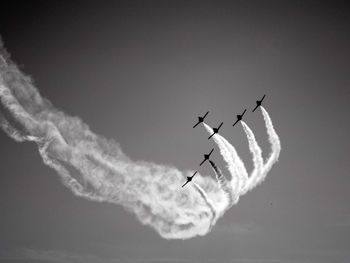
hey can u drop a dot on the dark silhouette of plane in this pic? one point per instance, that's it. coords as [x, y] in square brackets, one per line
[189, 178]
[206, 156]
[239, 117]
[215, 130]
[258, 102]
[201, 119]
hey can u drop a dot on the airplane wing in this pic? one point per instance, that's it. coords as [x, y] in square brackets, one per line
[220, 125]
[211, 135]
[211, 151]
[235, 123]
[263, 98]
[255, 107]
[196, 125]
[185, 183]
[202, 162]
[244, 112]
[205, 115]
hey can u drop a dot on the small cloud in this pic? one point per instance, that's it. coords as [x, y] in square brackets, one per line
[275, 261]
[49, 256]
[59, 256]
[169, 260]
[237, 228]
[345, 222]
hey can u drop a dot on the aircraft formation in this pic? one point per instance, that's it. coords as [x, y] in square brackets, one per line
[215, 131]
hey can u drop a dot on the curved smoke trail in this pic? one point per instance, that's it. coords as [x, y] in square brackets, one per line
[260, 170]
[224, 185]
[257, 156]
[97, 169]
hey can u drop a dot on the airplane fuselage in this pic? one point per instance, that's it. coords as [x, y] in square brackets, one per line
[200, 119]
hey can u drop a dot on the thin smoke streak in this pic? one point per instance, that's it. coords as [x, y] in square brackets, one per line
[224, 185]
[208, 202]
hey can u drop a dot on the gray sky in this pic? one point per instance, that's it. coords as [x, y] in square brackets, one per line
[141, 73]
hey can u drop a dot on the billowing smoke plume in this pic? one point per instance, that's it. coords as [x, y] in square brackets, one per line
[97, 169]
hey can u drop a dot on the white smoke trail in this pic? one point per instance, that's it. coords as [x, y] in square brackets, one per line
[274, 141]
[231, 162]
[242, 175]
[259, 174]
[96, 168]
[224, 185]
[257, 156]
[234, 163]
[208, 202]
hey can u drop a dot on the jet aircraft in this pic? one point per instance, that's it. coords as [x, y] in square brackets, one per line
[258, 102]
[200, 119]
[189, 178]
[215, 130]
[239, 117]
[206, 156]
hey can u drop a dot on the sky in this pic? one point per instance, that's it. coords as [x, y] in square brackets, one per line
[141, 73]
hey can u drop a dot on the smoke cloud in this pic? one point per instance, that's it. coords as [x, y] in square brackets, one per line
[96, 168]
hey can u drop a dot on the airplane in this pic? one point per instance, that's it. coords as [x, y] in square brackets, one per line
[189, 178]
[258, 103]
[206, 156]
[239, 117]
[215, 130]
[201, 119]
